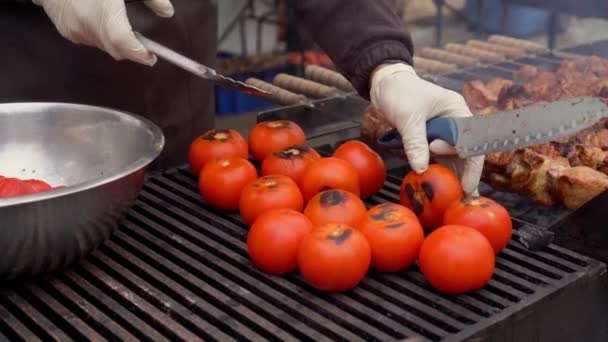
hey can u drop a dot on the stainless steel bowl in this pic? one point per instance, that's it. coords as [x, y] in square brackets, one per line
[99, 154]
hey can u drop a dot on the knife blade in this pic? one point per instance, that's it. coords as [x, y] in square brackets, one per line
[197, 68]
[505, 131]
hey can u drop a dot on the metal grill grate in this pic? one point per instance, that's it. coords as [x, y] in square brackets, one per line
[179, 270]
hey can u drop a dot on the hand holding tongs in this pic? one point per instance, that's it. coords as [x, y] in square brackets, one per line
[197, 68]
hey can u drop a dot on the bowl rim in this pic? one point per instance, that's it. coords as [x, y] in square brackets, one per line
[151, 154]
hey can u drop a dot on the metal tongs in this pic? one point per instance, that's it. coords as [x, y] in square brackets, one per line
[197, 68]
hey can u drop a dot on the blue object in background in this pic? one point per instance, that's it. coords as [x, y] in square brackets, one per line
[228, 101]
[523, 21]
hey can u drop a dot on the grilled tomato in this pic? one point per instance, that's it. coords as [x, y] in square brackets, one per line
[368, 164]
[221, 181]
[216, 144]
[329, 173]
[485, 215]
[335, 206]
[37, 185]
[274, 239]
[269, 192]
[456, 259]
[394, 234]
[271, 136]
[334, 257]
[291, 162]
[12, 187]
[429, 194]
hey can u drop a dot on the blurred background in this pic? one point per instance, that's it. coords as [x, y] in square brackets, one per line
[260, 38]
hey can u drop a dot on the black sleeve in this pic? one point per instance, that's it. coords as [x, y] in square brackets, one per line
[358, 35]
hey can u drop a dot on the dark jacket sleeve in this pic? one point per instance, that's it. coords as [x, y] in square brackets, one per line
[357, 35]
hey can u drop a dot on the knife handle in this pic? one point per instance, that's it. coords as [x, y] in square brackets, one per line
[437, 128]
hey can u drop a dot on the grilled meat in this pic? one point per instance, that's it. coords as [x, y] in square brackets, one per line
[569, 171]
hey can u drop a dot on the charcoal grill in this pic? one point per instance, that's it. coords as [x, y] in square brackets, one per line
[178, 270]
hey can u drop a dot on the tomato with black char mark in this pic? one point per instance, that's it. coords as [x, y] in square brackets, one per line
[429, 194]
[335, 206]
[394, 234]
[334, 257]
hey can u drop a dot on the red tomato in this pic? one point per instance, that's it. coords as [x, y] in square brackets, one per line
[269, 192]
[329, 173]
[430, 194]
[12, 187]
[485, 215]
[291, 162]
[274, 239]
[456, 259]
[394, 234]
[370, 167]
[334, 257]
[271, 136]
[37, 186]
[221, 181]
[216, 144]
[335, 206]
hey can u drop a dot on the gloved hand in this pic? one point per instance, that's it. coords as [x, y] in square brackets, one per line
[103, 24]
[408, 102]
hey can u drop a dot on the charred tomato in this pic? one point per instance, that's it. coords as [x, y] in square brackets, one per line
[488, 217]
[216, 144]
[269, 192]
[329, 173]
[12, 187]
[368, 164]
[335, 206]
[36, 185]
[274, 239]
[222, 180]
[394, 234]
[291, 162]
[429, 194]
[334, 257]
[271, 136]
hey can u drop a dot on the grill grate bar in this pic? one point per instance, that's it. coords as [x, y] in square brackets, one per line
[410, 306]
[65, 319]
[181, 266]
[457, 311]
[156, 287]
[141, 329]
[107, 279]
[564, 266]
[32, 317]
[86, 311]
[467, 300]
[13, 329]
[522, 273]
[532, 264]
[235, 245]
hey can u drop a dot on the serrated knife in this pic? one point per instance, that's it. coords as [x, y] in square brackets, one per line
[505, 131]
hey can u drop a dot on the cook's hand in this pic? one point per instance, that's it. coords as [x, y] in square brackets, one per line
[408, 102]
[103, 24]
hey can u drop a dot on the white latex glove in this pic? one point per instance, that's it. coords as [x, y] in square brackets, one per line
[408, 102]
[103, 24]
